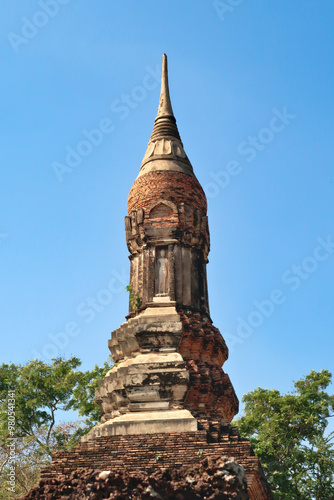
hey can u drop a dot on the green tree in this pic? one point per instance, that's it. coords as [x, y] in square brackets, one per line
[28, 456]
[83, 396]
[31, 397]
[289, 434]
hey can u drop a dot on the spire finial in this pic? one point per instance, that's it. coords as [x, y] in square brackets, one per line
[165, 106]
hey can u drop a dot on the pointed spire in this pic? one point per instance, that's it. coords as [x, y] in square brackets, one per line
[165, 123]
[165, 106]
[165, 149]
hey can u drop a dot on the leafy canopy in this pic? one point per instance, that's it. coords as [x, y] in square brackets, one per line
[40, 391]
[289, 434]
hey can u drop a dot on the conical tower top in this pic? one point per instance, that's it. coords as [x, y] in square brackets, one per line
[165, 141]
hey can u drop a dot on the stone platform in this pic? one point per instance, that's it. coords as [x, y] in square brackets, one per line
[145, 423]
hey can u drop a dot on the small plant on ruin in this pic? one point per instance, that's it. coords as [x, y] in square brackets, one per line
[135, 300]
[200, 453]
[157, 458]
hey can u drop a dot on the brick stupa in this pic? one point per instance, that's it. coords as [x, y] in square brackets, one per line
[167, 395]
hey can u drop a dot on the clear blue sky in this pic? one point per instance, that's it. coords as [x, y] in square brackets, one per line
[252, 91]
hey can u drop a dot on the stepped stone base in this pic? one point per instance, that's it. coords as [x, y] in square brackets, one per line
[172, 451]
[145, 423]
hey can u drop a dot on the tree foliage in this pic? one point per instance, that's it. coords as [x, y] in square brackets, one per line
[29, 431]
[83, 396]
[289, 434]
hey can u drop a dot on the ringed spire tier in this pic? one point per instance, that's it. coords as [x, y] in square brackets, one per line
[168, 355]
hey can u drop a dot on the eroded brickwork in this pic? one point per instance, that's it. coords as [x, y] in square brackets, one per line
[215, 479]
[175, 451]
[210, 391]
[175, 187]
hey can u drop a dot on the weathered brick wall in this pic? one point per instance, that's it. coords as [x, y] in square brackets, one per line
[160, 451]
[217, 479]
